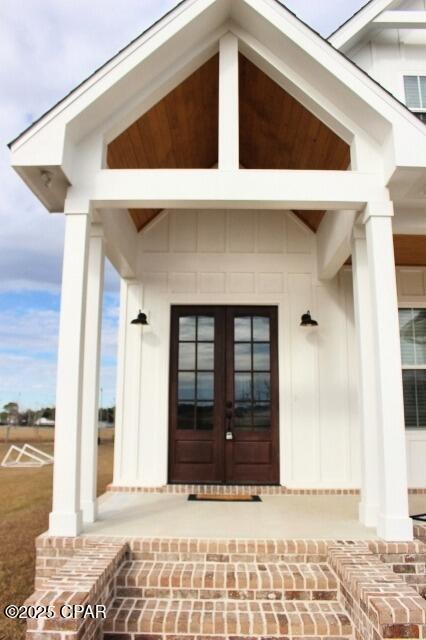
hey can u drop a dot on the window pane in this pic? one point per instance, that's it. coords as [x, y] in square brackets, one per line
[261, 329]
[262, 387]
[185, 417]
[205, 328]
[243, 387]
[187, 328]
[423, 90]
[205, 354]
[187, 356]
[412, 94]
[407, 336]
[261, 416]
[205, 386]
[421, 397]
[186, 386]
[419, 335]
[204, 416]
[261, 357]
[414, 383]
[242, 327]
[243, 416]
[410, 411]
[242, 357]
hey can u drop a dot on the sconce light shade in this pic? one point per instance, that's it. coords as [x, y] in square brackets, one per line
[307, 320]
[141, 319]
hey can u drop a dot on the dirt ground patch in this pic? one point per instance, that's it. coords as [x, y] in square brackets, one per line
[25, 502]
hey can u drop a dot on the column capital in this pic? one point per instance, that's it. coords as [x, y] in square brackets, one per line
[382, 209]
[77, 204]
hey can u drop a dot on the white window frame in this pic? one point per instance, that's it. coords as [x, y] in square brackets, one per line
[413, 367]
[418, 73]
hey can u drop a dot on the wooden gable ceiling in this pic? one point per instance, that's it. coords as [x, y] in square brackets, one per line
[277, 132]
[181, 132]
[410, 251]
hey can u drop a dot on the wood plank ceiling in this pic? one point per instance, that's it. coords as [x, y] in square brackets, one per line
[410, 251]
[276, 132]
[181, 132]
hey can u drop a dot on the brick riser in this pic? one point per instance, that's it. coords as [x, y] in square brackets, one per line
[225, 580]
[224, 599]
[147, 619]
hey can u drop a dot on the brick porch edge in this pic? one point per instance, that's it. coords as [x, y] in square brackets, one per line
[83, 570]
[87, 578]
[271, 490]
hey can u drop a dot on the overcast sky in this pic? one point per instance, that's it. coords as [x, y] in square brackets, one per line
[46, 48]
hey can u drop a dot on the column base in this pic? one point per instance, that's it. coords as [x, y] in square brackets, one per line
[368, 514]
[395, 529]
[90, 511]
[67, 525]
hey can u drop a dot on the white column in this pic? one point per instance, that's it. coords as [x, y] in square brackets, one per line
[229, 133]
[89, 436]
[394, 521]
[369, 505]
[127, 418]
[65, 519]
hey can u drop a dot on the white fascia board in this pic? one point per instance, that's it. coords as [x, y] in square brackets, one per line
[180, 30]
[355, 93]
[356, 27]
[401, 20]
[240, 189]
[112, 124]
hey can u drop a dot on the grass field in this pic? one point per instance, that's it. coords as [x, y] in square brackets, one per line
[25, 502]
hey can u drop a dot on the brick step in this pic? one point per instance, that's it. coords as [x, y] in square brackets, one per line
[253, 558]
[138, 619]
[236, 581]
[200, 549]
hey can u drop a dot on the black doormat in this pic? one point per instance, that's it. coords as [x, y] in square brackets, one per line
[216, 497]
[421, 517]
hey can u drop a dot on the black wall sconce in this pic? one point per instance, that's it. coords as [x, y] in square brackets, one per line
[308, 321]
[141, 319]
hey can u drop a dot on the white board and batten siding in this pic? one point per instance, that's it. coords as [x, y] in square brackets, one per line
[265, 258]
[412, 294]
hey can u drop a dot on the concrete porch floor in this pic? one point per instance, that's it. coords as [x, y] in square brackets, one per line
[282, 517]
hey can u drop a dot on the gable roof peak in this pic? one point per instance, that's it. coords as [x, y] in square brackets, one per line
[351, 31]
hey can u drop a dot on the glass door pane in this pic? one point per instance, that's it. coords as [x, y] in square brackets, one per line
[252, 372]
[196, 377]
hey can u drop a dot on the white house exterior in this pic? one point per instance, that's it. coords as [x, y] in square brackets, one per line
[226, 233]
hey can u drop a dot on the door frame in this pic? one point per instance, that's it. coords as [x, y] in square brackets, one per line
[174, 308]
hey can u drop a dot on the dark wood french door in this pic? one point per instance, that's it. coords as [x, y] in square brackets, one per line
[224, 395]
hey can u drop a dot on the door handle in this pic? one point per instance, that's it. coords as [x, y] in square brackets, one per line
[229, 414]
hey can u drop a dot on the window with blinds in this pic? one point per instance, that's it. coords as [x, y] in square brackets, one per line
[412, 323]
[415, 92]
